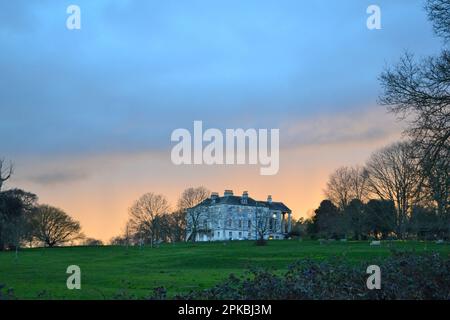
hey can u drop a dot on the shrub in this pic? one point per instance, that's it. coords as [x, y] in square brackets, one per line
[403, 276]
[159, 293]
[6, 293]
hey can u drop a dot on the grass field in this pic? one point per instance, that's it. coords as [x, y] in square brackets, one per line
[178, 267]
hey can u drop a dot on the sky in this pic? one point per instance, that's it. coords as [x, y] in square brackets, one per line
[86, 115]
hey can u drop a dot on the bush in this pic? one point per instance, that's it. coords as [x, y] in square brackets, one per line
[403, 276]
[6, 293]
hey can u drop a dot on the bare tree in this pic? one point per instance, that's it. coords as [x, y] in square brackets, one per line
[262, 224]
[437, 179]
[145, 214]
[394, 174]
[192, 196]
[346, 184]
[419, 92]
[178, 225]
[5, 172]
[439, 14]
[359, 183]
[54, 227]
[338, 187]
[189, 199]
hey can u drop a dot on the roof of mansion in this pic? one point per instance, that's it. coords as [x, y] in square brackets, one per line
[237, 200]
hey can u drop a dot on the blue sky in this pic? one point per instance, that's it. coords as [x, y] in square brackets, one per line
[139, 69]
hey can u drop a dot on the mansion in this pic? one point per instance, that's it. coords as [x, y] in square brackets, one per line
[237, 218]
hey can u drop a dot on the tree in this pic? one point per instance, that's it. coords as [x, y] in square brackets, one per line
[192, 196]
[262, 224]
[419, 92]
[118, 241]
[311, 227]
[299, 228]
[145, 216]
[15, 208]
[53, 226]
[437, 179]
[394, 174]
[425, 223]
[5, 172]
[163, 228]
[92, 242]
[189, 199]
[439, 14]
[380, 218]
[355, 220]
[345, 184]
[178, 226]
[328, 220]
[338, 187]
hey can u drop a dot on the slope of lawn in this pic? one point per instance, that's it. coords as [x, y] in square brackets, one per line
[181, 267]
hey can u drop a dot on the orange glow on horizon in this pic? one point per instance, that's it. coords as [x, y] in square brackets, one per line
[105, 186]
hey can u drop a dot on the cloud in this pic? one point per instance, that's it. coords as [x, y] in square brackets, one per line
[137, 70]
[370, 125]
[58, 177]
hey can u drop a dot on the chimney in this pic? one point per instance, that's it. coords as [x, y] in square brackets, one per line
[269, 198]
[214, 196]
[228, 193]
[244, 197]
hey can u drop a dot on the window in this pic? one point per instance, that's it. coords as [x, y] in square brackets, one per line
[230, 234]
[229, 222]
[218, 234]
[240, 234]
[240, 223]
[249, 224]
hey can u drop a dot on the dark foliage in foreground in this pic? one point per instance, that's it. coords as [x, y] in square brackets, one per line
[6, 293]
[403, 276]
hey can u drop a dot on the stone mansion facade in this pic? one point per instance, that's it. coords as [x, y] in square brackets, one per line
[237, 218]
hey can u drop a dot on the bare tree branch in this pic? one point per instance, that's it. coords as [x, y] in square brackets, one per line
[5, 172]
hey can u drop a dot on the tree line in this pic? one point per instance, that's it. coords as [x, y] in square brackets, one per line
[23, 221]
[152, 221]
[389, 197]
[403, 189]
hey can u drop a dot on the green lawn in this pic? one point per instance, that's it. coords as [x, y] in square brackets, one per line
[178, 267]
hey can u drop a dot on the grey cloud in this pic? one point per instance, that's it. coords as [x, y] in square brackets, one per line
[51, 178]
[365, 126]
